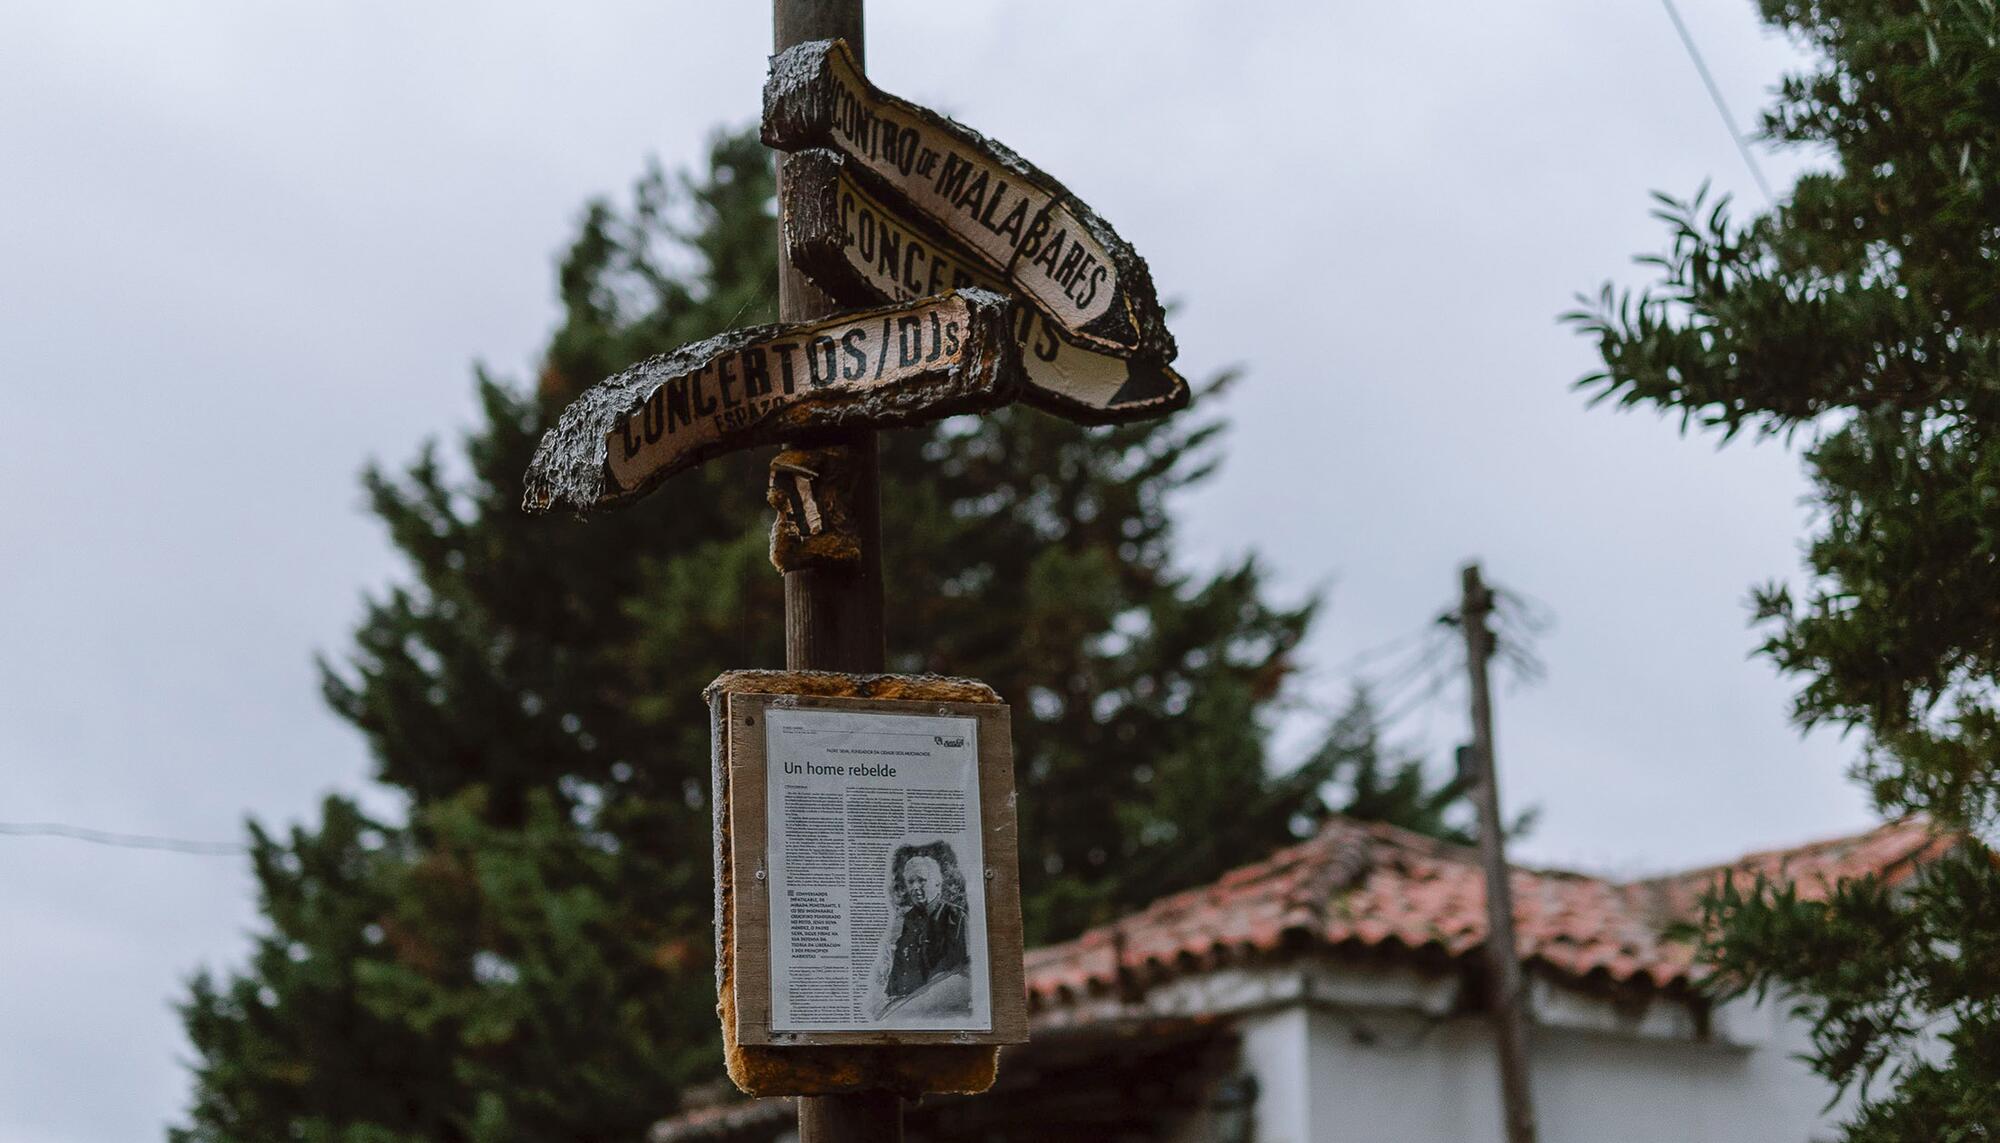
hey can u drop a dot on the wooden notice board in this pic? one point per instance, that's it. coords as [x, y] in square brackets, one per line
[868, 893]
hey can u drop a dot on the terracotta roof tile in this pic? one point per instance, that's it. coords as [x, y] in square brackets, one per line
[1378, 887]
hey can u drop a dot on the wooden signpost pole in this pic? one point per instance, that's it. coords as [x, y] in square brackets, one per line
[833, 615]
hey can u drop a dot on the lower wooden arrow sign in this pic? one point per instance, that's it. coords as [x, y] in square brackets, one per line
[898, 365]
[864, 252]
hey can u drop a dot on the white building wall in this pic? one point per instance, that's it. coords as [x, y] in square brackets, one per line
[1275, 1050]
[1330, 1074]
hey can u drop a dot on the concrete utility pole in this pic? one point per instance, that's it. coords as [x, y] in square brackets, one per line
[1502, 955]
[833, 617]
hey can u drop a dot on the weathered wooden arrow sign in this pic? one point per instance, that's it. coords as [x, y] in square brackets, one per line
[897, 365]
[864, 252]
[1026, 227]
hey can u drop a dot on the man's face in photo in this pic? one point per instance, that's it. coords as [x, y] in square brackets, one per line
[922, 880]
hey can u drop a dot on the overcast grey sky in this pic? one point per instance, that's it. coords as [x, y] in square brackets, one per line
[246, 246]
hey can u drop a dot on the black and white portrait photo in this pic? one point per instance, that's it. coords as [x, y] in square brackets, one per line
[878, 874]
[923, 971]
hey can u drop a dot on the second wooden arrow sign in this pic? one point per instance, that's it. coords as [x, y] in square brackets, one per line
[1028, 229]
[862, 251]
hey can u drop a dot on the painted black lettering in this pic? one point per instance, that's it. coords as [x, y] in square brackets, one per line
[1045, 346]
[784, 351]
[951, 339]
[973, 196]
[993, 204]
[892, 252]
[951, 180]
[1032, 240]
[909, 342]
[703, 403]
[821, 352]
[883, 145]
[1095, 281]
[1051, 252]
[725, 379]
[912, 252]
[626, 438]
[678, 411]
[756, 372]
[857, 358]
[1072, 263]
[654, 417]
[1010, 226]
[843, 114]
[937, 342]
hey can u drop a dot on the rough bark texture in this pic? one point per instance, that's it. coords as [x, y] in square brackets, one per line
[574, 462]
[816, 97]
[816, 1070]
[863, 252]
[813, 492]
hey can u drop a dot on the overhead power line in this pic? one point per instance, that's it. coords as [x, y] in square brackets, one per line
[1721, 105]
[123, 840]
[1356, 662]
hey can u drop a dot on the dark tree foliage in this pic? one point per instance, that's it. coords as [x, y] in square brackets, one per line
[1864, 316]
[528, 955]
[1366, 778]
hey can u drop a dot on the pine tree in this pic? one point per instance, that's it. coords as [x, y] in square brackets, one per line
[1379, 783]
[1863, 316]
[528, 955]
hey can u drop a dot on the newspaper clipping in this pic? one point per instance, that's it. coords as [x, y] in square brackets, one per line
[878, 898]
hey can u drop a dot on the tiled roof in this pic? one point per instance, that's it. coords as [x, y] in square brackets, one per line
[1386, 890]
[1892, 852]
[1391, 892]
